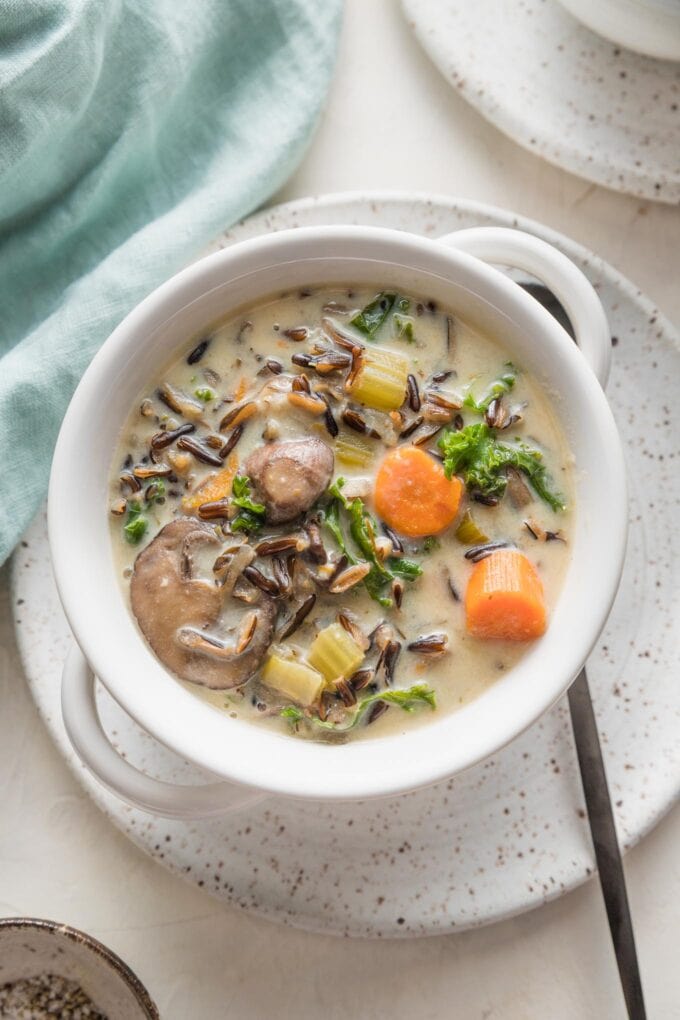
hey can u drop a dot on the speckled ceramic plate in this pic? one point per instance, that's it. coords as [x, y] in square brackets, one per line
[564, 93]
[511, 833]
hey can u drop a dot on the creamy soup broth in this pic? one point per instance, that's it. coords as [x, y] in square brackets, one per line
[251, 356]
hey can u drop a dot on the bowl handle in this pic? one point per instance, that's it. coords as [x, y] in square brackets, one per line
[84, 728]
[506, 247]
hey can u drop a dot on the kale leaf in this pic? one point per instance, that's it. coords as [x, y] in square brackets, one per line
[363, 529]
[482, 460]
[369, 320]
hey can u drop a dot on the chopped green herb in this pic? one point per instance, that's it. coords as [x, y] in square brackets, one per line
[205, 394]
[502, 385]
[482, 460]
[369, 320]
[135, 526]
[408, 700]
[251, 515]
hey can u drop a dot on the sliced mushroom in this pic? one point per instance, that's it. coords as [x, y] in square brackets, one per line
[289, 477]
[518, 491]
[179, 614]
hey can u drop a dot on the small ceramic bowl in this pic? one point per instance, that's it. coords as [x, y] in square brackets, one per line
[30, 947]
[252, 761]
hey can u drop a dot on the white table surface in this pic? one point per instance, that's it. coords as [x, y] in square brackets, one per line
[391, 122]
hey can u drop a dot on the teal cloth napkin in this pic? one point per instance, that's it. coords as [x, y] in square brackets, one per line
[131, 132]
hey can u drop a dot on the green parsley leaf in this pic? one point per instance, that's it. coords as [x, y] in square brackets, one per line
[431, 543]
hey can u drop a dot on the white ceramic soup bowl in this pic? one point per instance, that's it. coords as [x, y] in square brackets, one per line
[248, 761]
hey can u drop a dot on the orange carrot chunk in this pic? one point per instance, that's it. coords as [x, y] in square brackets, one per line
[504, 598]
[216, 486]
[413, 495]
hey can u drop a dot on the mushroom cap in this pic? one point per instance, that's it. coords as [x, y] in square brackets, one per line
[289, 477]
[167, 600]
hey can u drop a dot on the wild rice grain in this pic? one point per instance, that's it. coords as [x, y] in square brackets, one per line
[346, 691]
[396, 542]
[198, 352]
[411, 427]
[390, 657]
[361, 679]
[161, 440]
[374, 713]
[199, 451]
[427, 434]
[429, 644]
[238, 414]
[273, 546]
[303, 610]
[480, 552]
[413, 394]
[214, 510]
[282, 576]
[296, 333]
[452, 589]
[231, 442]
[261, 581]
[349, 578]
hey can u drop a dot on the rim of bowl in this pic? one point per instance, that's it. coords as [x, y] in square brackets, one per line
[274, 762]
[123, 970]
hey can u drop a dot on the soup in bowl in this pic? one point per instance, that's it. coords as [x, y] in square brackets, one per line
[339, 506]
[353, 517]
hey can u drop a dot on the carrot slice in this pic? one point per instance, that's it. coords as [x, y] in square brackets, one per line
[217, 486]
[412, 493]
[241, 389]
[504, 598]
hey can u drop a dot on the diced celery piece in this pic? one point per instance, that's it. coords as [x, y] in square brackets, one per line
[335, 653]
[381, 380]
[293, 679]
[468, 531]
[353, 452]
